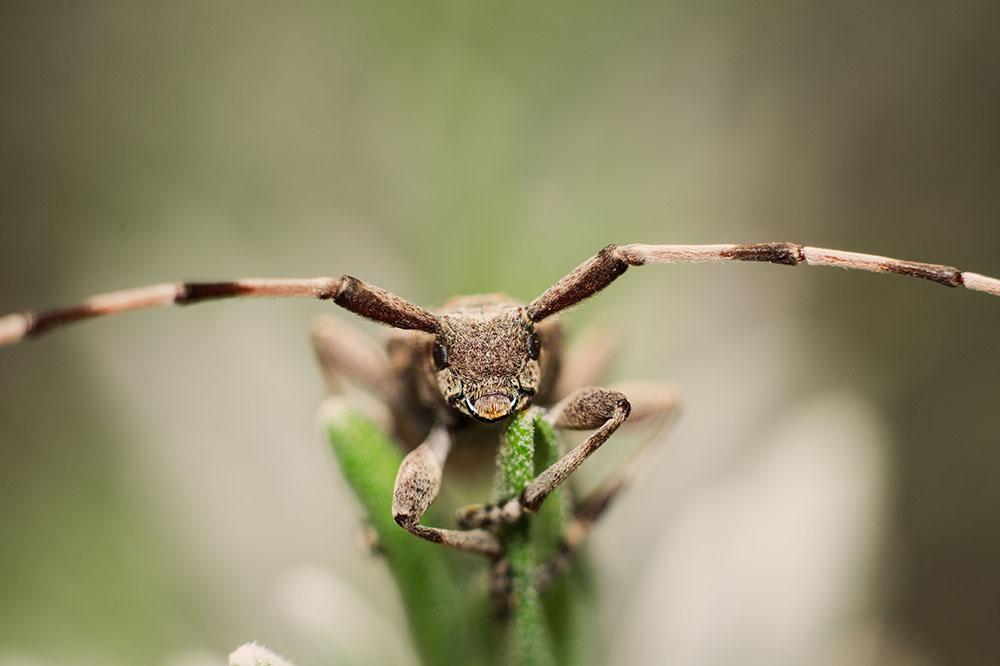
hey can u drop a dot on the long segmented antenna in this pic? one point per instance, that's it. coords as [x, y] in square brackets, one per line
[348, 292]
[382, 306]
[603, 268]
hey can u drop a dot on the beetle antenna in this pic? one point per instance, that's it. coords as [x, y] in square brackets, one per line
[348, 292]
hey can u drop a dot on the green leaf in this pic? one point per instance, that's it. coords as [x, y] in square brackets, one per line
[448, 614]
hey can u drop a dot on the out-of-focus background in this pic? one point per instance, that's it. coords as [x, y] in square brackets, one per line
[829, 496]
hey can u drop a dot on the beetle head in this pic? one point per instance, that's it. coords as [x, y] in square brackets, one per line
[486, 364]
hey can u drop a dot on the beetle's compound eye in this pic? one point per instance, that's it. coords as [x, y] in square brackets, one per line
[534, 346]
[440, 355]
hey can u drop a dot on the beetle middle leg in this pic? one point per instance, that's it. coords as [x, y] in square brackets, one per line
[349, 357]
[344, 352]
[587, 359]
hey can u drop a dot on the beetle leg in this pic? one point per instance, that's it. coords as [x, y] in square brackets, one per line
[586, 409]
[587, 359]
[417, 484]
[650, 400]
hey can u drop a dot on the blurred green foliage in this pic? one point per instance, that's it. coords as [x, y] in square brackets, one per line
[448, 616]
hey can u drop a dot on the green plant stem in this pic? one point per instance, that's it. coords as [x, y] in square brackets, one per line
[524, 450]
[449, 625]
[442, 591]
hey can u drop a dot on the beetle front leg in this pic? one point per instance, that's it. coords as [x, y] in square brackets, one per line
[585, 409]
[651, 401]
[417, 484]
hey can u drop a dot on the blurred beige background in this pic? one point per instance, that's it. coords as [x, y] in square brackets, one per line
[829, 496]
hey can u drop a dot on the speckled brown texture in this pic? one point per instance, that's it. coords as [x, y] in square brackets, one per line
[585, 280]
[489, 364]
[378, 304]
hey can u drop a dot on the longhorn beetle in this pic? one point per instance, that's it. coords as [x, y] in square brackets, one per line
[481, 359]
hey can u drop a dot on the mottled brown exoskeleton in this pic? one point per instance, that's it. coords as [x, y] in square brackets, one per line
[481, 359]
